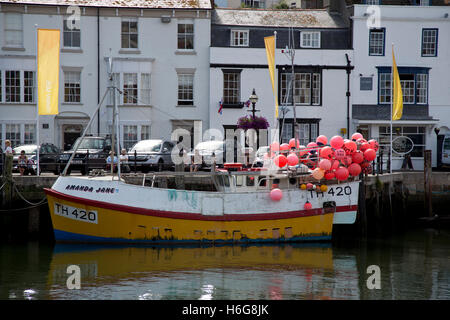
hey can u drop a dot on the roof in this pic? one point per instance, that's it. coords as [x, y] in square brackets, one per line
[318, 18]
[150, 4]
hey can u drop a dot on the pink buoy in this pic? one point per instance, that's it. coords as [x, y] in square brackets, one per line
[275, 146]
[356, 136]
[307, 206]
[349, 147]
[364, 146]
[292, 143]
[326, 153]
[318, 173]
[373, 144]
[280, 160]
[334, 165]
[342, 173]
[284, 147]
[276, 194]
[325, 164]
[370, 154]
[354, 169]
[292, 159]
[336, 142]
[347, 160]
[309, 186]
[322, 140]
[358, 157]
[302, 150]
[329, 174]
[339, 154]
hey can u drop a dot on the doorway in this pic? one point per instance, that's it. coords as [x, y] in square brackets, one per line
[70, 135]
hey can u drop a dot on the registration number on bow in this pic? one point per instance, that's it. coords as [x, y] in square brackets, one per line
[78, 214]
[333, 191]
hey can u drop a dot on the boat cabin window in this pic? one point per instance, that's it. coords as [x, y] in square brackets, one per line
[239, 181]
[262, 181]
[250, 181]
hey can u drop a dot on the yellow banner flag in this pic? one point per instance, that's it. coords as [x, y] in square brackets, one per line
[397, 96]
[270, 51]
[48, 70]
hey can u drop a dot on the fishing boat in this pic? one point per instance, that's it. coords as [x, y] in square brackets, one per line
[234, 204]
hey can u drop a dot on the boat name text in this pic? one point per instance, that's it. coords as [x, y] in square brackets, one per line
[90, 189]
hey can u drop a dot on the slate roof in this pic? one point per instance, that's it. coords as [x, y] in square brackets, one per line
[317, 18]
[149, 4]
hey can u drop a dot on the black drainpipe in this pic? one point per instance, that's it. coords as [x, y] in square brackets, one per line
[349, 71]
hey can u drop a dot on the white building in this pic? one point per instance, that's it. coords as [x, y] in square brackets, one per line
[322, 40]
[421, 38]
[160, 53]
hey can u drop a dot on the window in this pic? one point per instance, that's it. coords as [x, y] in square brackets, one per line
[372, 2]
[71, 36]
[12, 86]
[129, 33]
[239, 38]
[286, 133]
[186, 36]
[28, 86]
[365, 83]
[13, 134]
[423, 2]
[13, 30]
[133, 91]
[415, 133]
[307, 131]
[414, 82]
[429, 42]
[310, 39]
[145, 132]
[129, 136]
[29, 134]
[72, 88]
[145, 88]
[185, 89]
[306, 88]
[253, 3]
[130, 88]
[231, 87]
[376, 42]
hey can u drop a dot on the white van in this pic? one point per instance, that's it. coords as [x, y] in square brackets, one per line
[446, 151]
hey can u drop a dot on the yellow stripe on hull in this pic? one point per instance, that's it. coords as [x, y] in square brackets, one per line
[128, 227]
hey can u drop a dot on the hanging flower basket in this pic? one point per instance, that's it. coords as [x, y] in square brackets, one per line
[248, 122]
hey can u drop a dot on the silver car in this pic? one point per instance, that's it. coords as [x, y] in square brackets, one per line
[154, 154]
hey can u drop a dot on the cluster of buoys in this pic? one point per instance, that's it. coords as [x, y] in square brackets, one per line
[337, 158]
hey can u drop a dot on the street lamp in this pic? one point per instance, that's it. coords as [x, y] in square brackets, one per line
[253, 99]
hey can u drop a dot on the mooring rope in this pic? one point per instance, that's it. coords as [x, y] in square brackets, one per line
[30, 203]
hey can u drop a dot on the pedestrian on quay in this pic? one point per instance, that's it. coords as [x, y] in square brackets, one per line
[124, 161]
[22, 162]
[8, 149]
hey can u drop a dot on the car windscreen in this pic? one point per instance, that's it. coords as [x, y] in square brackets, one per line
[29, 149]
[147, 146]
[89, 143]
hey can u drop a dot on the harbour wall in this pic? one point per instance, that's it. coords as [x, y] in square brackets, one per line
[388, 203]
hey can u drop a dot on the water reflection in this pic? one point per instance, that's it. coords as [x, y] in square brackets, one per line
[414, 265]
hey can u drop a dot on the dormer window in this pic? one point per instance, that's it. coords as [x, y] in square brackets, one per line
[239, 38]
[310, 39]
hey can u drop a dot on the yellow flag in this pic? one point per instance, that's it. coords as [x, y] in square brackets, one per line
[270, 51]
[48, 70]
[397, 97]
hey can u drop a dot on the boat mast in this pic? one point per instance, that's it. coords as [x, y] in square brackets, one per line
[115, 124]
[290, 54]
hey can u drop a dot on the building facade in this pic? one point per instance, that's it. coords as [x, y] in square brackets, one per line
[321, 42]
[160, 63]
[420, 37]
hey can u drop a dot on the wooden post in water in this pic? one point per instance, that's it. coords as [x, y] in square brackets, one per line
[7, 189]
[427, 182]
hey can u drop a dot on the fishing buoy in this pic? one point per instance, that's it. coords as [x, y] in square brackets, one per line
[357, 157]
[354, 169]
[292, 143]
[284, 147]
[370, 154]
[325, 164]
[329, 174]
[323, 188]
[326, 153]
[318, 173]
[339, 154]
[322, 140]
[307, 205]
[373, 144]
[303, 186]
[276, 194]
[309, 186]
[364, 146]
[275, 146]
[280, 160]
[336, 142]
[292, 159]
[349, 147]
[356, 136]
[342, 173]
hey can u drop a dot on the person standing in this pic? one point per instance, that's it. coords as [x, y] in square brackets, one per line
[124, 161]
[8, 149]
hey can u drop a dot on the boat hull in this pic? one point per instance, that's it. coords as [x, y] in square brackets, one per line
[123, 224]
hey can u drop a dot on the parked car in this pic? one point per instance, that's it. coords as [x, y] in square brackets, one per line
[154, 154]
[91, 153]
[207, 149]
[48, 158]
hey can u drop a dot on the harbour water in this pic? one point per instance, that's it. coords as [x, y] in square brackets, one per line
[413, 265]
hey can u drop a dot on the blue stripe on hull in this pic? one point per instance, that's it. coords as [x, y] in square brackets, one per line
[64, 236]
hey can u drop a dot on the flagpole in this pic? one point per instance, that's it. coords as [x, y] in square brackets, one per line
[390, 120]
[276, 85]
[37, 104]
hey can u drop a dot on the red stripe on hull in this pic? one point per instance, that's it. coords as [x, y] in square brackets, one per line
[195, 216]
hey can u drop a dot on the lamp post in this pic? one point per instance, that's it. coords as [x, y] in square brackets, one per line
[253, 99]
